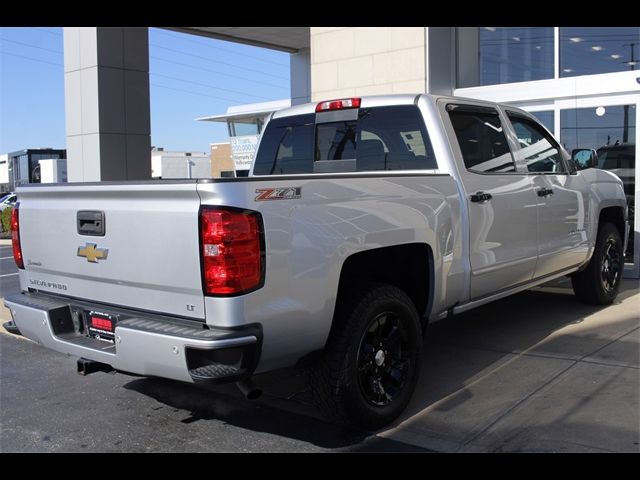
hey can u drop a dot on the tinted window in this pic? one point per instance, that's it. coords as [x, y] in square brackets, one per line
[482, 141]
[393, 138]
[336, 140]
[383, 138]
[540, 151]
[286, 146]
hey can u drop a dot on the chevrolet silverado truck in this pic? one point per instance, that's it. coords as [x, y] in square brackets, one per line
[362, 220]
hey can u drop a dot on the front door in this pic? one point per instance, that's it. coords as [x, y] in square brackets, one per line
[562, 199]
[501, 202]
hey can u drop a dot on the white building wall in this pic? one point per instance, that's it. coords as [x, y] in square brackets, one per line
[53, 170]
[4, 168]
[349, 61]
[166, 164]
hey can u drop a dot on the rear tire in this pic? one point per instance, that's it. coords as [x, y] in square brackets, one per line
[599, 283]
[372, 359]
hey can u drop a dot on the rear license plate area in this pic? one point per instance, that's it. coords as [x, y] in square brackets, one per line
[101, 326]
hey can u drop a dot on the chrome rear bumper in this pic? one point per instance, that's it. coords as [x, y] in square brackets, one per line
[143, 345]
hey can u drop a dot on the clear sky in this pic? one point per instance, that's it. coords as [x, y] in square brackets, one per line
[190, 77]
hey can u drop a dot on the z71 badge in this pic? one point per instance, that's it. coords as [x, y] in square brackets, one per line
[280, 193]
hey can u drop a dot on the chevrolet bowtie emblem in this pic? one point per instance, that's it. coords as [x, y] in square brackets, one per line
[91, 253]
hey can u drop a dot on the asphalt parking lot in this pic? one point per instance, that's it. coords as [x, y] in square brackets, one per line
[8, 269]
[536, 372]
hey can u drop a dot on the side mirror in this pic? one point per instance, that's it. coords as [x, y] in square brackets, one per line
[584, 158]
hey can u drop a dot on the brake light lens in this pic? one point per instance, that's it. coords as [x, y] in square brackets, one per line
[232, 245]
[340, 104]
[15, 237]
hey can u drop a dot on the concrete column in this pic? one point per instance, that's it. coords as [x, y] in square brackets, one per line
[107, 103]
[468, 46]
[300, 69]
[441, 60]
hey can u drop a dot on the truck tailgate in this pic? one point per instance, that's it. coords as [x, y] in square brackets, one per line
[148, 257]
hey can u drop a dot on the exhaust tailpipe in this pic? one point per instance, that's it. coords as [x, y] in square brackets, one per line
[86, 367]
[11, 327]
[249, 389]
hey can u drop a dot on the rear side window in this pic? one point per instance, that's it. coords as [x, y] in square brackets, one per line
[482, 140]
[382, 138]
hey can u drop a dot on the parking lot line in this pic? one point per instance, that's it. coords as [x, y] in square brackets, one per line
[8, 274]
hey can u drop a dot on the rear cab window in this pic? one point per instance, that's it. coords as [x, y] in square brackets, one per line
[369, 139]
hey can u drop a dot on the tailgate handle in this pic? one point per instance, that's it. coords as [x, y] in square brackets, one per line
[91, 222]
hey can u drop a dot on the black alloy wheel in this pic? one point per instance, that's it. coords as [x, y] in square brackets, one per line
[371, 362]
[383, 359]
[599, 282]
[610, 270]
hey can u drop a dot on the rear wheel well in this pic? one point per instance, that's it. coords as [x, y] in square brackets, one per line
[614, 215]
[408, 267]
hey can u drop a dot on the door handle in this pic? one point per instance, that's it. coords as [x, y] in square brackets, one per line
[545, 192]
[481, 197]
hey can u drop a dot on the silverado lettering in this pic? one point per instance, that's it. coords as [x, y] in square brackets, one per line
[44, 283]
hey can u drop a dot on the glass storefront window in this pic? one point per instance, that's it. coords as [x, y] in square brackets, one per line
[611, 132]
[597, 127]
[591, 50]
[515, 54]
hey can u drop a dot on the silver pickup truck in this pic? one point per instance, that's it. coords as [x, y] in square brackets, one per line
[362, 220]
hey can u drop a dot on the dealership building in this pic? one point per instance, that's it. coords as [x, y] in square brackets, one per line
[583, 83]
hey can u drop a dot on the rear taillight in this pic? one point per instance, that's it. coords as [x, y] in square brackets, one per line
[15, 236]
[232, 249]
[340, 104]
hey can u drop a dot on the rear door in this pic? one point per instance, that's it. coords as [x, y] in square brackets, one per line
[501, 203]
[132, 245]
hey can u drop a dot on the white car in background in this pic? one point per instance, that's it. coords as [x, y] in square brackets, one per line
[8, 200]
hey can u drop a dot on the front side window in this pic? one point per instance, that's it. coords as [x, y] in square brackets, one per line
[539, 150]
[481, 138]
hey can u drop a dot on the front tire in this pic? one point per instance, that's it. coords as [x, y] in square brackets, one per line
[372, 359]
[599, 283]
